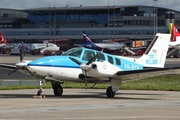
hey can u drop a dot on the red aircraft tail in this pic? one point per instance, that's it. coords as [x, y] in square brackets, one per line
[2, 39]
[174, 32]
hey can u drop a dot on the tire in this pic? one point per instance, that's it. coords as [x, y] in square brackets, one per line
[58, 90]
[109, 92]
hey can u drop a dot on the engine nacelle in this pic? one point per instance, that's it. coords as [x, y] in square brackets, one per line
[102, 69]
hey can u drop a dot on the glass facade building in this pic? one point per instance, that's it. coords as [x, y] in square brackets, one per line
[100, 22]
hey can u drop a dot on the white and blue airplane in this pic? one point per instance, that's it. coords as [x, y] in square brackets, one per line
[90, 66]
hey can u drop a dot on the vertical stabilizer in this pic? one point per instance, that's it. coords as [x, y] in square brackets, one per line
[155, 54]
[2, 39]
[170, 28]
[47, 44]
[87, 40]
[174, 32]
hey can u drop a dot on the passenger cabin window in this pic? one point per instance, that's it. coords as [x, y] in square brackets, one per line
[88, 54]
[118, 62]
[101, 57]
[110, 59]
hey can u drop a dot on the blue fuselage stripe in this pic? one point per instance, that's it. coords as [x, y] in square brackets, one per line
[54, 66]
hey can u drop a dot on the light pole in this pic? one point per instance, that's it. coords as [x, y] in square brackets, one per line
[155, 17]
[114, 21]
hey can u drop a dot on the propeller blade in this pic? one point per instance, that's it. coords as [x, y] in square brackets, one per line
[75, 60]
[93, 58]
[85, 80]
[12, 71]
[84, 67]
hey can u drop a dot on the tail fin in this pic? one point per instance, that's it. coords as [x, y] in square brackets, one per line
[47, 44]
[2, 39]
[155, 54]
[87, 40]
[174, 32]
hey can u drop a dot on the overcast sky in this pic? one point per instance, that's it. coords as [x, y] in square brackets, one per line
[23, 4]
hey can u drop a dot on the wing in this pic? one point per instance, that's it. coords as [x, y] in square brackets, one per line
[147, 73]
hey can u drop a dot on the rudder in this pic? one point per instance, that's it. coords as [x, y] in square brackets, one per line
[155, 54]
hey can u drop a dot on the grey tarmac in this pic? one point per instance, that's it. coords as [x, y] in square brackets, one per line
[91, 104]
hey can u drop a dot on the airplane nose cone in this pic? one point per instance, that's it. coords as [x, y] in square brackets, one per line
[40, 66]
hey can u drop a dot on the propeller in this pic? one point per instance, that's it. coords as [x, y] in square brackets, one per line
[12, 72]
[21, 51]
[85, 67]
[75, 60]
[93, 58]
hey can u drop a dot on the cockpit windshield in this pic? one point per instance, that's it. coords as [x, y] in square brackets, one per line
[76, 52]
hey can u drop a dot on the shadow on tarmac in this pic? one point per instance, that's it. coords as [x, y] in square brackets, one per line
[91, 95]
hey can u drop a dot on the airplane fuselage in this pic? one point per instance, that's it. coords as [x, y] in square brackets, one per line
[112, 46]
[63, 68]
[50, 48]
[2, 45]
[42, 45]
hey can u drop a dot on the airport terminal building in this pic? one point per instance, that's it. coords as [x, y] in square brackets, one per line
[100, 22]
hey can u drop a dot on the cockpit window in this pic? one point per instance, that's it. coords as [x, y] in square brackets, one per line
[76, 52]
[88, 54]
[101, 57]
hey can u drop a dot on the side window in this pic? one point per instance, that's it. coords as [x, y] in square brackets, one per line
[118, 62]
[101, 57]
[88, 54]
[110, 59]
[76, 53]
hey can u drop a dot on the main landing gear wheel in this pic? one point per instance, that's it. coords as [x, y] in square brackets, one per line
[109, 92]
[58, 90]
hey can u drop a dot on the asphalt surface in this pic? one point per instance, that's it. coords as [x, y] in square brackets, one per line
[91, 104]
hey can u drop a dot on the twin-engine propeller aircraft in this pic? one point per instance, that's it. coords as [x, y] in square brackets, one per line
[91, 66]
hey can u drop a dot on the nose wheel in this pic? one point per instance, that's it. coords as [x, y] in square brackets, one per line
[40, 90]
